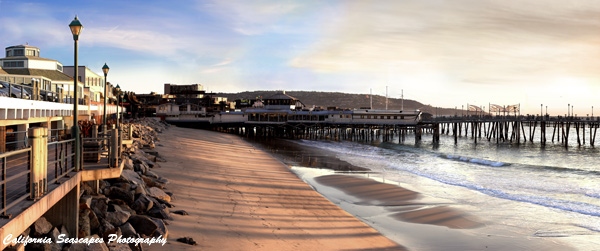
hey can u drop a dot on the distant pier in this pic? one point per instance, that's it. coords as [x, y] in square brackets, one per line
[499, 129]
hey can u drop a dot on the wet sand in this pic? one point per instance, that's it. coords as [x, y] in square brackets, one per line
[241, 198]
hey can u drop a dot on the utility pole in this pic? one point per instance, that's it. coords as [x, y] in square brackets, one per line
[386, 97]
[402, 96]
[371, 96]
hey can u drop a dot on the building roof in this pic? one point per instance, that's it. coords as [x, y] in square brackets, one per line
[282, 96]
[21, 46]
[51, 74]
[2, 71]
[28, 57]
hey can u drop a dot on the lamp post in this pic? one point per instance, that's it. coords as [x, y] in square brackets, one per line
[118, 88]
[76, 28]
[105, 70]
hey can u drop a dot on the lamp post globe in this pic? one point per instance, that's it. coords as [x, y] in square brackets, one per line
[76, 28]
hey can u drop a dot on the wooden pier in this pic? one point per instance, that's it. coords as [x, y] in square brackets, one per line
[499, 129]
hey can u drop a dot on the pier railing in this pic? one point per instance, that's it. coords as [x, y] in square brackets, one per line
[27, 173]
[62, 157]
[16, 176]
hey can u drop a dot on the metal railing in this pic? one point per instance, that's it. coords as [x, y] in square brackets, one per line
[62, 157]
[57, 134]
[14, 143]
[16, 171]
[93, 149]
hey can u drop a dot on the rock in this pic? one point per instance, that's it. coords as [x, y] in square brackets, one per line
[84, 224]
[128, 165]
[158, 212]
[115, 231]
[105, 227]
[41, 227]
[113, 246]
[159, 194]
[103, 184]
[63, 230]
[124, 184]
[117, 218]
[94, 222]
[143, 225]
[180, 212]
[85, 247]
[128, 230]
[132, 177]
[124, 208]
[85, 202]
[162, 229]
[187, 240]
[121, 194]
[43, 247]
[165, 203]
[151, 182]
[152, 174]
[140, 190]
[54, 233]
[100, 206]
[142, 204]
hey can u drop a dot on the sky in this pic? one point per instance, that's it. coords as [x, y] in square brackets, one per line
[535, 53]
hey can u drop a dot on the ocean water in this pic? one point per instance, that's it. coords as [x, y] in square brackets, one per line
[550, 192]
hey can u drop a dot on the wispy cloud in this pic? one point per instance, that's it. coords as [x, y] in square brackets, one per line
[469, 39]
[254, 17]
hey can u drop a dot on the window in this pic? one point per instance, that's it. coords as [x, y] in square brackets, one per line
[14, 64]
[19, 52]
[389, 117]
[395, 117]
[381, 117]
[59, 68]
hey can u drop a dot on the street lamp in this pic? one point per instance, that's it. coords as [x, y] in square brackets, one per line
[76, 28]
[105, 70]
[118, 88]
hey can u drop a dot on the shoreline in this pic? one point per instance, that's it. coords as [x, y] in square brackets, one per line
[408, 217]
[241, 198]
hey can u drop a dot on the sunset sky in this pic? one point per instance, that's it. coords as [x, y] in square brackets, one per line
[442, 53]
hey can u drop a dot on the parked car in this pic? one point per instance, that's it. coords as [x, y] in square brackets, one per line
[14, 90]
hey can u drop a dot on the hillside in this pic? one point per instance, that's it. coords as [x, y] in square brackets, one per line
[343, 100]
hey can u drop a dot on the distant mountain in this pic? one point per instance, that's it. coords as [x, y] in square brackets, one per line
[344, 100]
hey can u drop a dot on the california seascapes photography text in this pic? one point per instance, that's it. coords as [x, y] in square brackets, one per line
[63, 239]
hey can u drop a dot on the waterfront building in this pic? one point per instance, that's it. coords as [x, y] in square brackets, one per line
[185, 91]
[93, 82]
[24, 66]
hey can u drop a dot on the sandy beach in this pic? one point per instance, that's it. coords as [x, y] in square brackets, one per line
[241, 198]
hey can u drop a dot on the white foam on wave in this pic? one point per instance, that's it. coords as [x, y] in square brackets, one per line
[477, 161]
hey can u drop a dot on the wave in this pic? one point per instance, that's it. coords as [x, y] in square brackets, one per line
[476, 161]
[370, 156]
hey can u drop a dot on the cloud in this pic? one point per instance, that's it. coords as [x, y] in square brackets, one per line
[253, 17]
[478, 41]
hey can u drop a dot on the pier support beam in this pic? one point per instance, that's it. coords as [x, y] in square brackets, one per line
[66, 212]
[39, 161]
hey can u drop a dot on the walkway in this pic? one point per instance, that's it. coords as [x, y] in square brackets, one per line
[240, 198]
